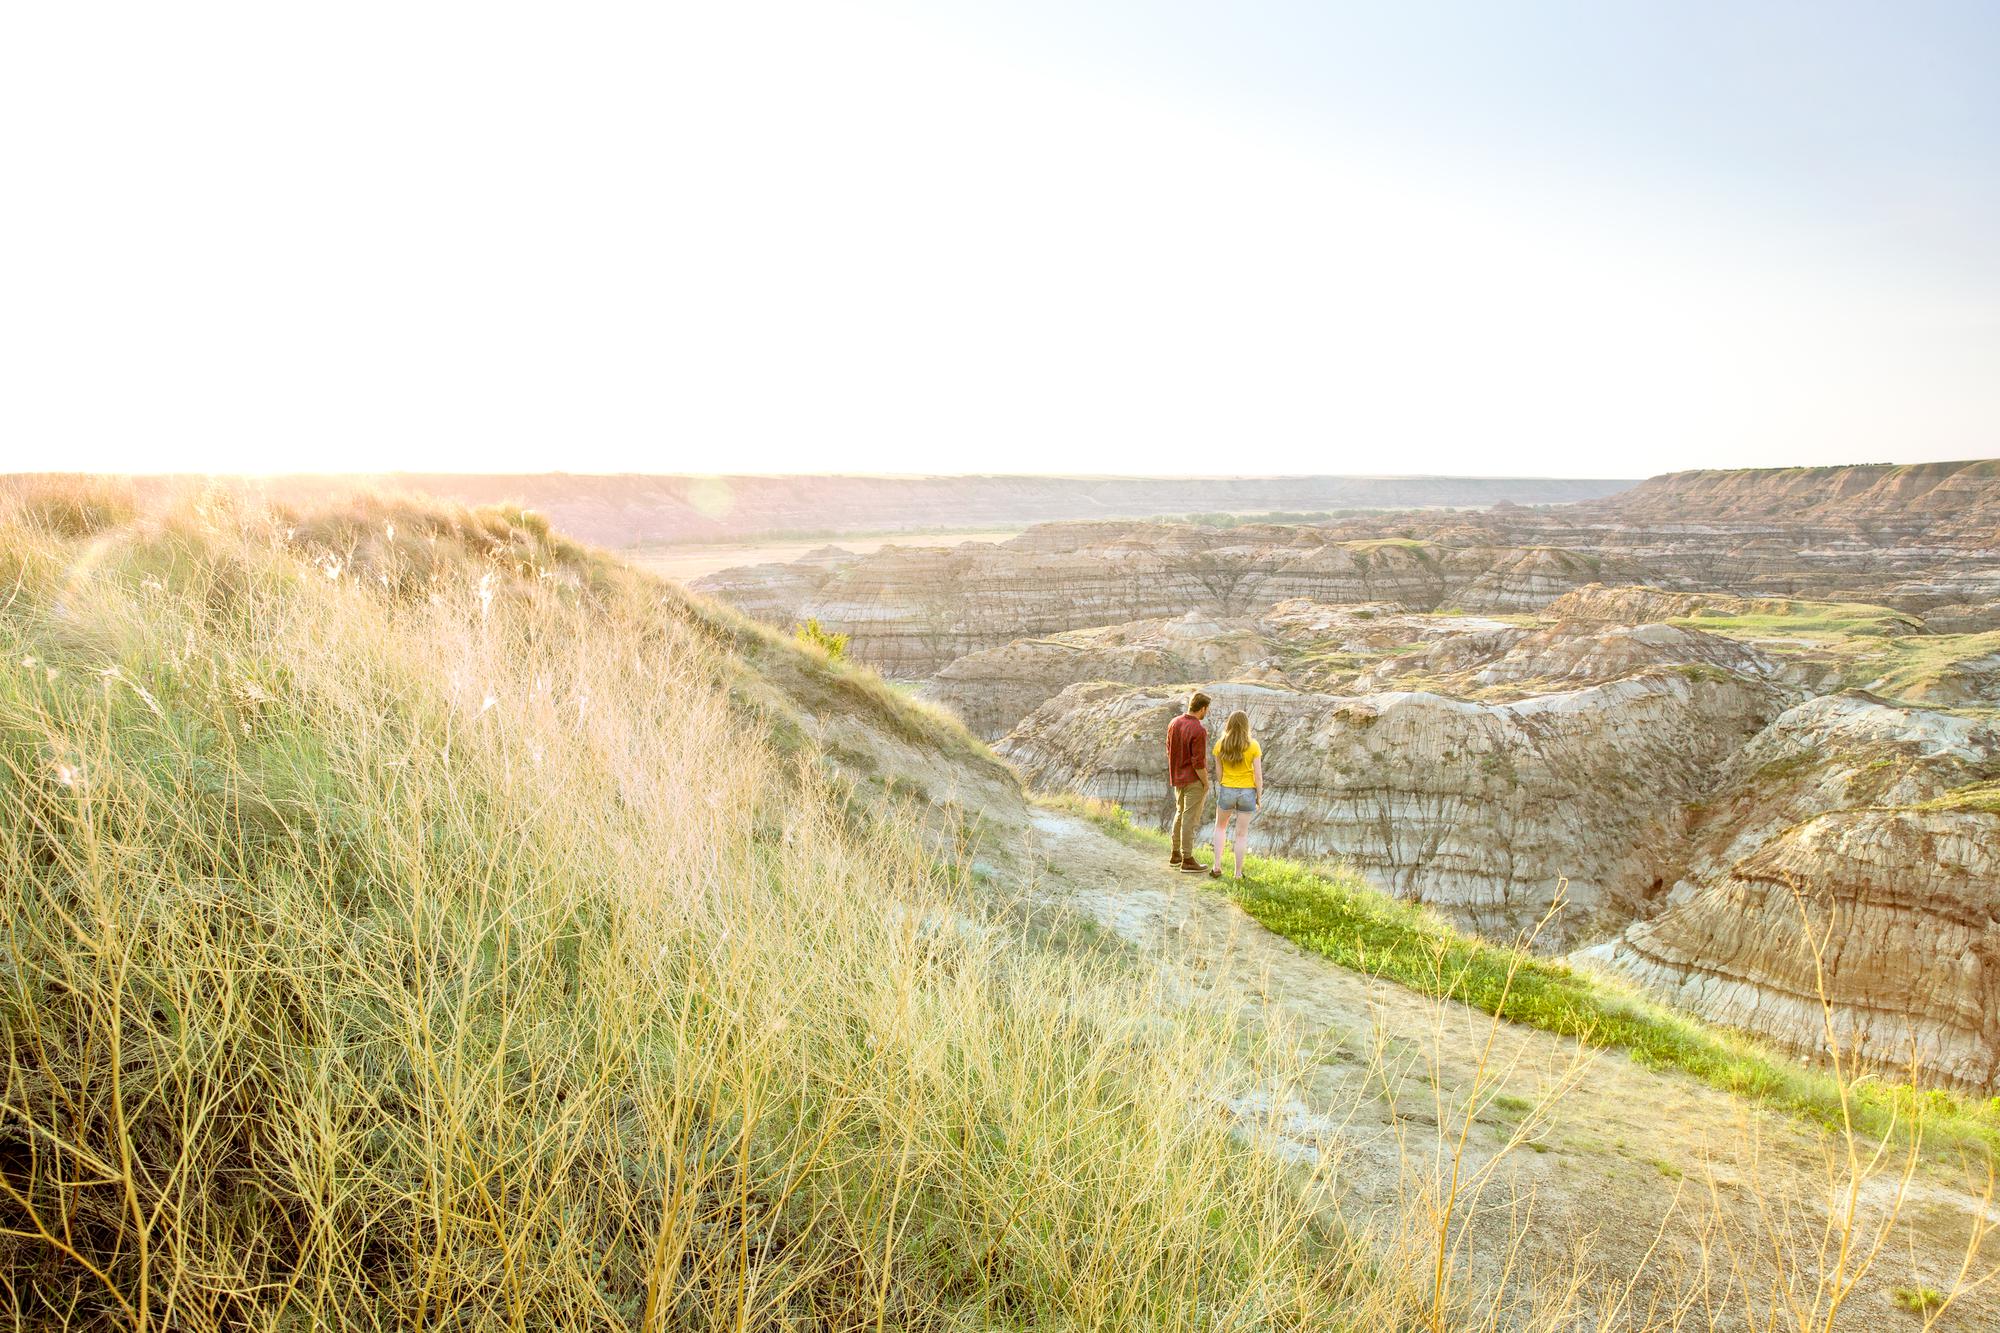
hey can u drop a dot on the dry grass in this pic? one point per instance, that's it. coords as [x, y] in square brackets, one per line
[413, 921]
[69, 506]
[452, 946]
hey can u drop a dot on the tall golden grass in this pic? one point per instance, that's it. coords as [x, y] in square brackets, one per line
[424, 929]
[413, 921]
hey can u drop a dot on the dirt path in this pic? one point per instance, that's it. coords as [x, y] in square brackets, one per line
[1629, 1168]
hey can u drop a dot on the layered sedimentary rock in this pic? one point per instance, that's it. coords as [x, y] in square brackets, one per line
[1315, 647]
[1838, 752]
[995, 688]
[773, 593]
[1963, 617]
[1638, 604]
[1874, 932]
[1658, 769]
[1424, 575]
[1942, 500]
[1827, 821]
[1479, 809]
[1914, 538]
[910, 610]
[1651, 695]
[1575, 652]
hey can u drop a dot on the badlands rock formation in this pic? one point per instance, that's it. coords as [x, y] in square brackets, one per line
[1479, 809]
[1901, 908]
[995, 688]
[911, 610]
[1734, 712]
[1513, 658]
[1296, 644]
[1835, 827]
[1930, 501]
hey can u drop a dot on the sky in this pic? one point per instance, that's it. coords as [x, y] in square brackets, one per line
[1590, 238]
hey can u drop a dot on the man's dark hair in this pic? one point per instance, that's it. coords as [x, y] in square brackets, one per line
[1199, 702]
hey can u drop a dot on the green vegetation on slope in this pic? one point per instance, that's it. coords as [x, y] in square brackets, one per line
[414, 921]
[1788, 618]
[1884, 650]
[1914, 667]
[1334, 914]
[1982, 798]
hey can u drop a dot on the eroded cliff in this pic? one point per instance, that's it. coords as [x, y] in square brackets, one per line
[1731, 712]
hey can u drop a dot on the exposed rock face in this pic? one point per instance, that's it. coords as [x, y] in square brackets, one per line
[1479, 809]
[911, 610]
[1658, 770]
[1963, 618]
[1915, 538]
[1634, 604]
[1903, 907]
[1650, 695]
[1840, 752]
[1959, 500]
[994, 689]
[1574, 652]
[1637, 605]
[1317, 648]
[772, 593]
[1425, 576]
[1821, 818]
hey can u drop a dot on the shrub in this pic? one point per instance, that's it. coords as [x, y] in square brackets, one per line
[827, 641]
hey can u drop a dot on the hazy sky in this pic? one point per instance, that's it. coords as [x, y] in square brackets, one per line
[1589, 238]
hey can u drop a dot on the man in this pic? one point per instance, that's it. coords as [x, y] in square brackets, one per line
[1187, 771]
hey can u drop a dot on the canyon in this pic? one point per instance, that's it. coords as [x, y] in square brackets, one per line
[1731, 736]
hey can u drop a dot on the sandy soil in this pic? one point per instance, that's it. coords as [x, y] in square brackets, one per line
[1647, 1176]
[691, 560]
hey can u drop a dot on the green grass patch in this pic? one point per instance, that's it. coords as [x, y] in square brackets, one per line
[1915, 666]
[1332, 912]
[1917, 1300]
[1785, 617]
[1981, 798]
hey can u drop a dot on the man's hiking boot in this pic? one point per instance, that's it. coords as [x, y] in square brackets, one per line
[1193, 867]
[1175, 860]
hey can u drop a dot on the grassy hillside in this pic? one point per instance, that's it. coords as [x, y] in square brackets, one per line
[1330, 911]
[412, 920]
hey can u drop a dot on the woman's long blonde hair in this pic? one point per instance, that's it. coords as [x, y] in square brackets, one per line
[1235, 738]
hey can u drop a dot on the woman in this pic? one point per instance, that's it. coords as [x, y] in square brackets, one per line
[1242, 762]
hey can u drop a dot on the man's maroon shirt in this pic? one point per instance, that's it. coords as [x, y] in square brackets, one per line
[1187, 750]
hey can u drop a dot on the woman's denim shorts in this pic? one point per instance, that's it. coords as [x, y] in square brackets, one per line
[1241, 800]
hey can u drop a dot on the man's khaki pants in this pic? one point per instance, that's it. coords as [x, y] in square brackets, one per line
[1187, 818]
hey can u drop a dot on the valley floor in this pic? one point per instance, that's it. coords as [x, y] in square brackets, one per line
[1577, 1167]
[687, 561]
